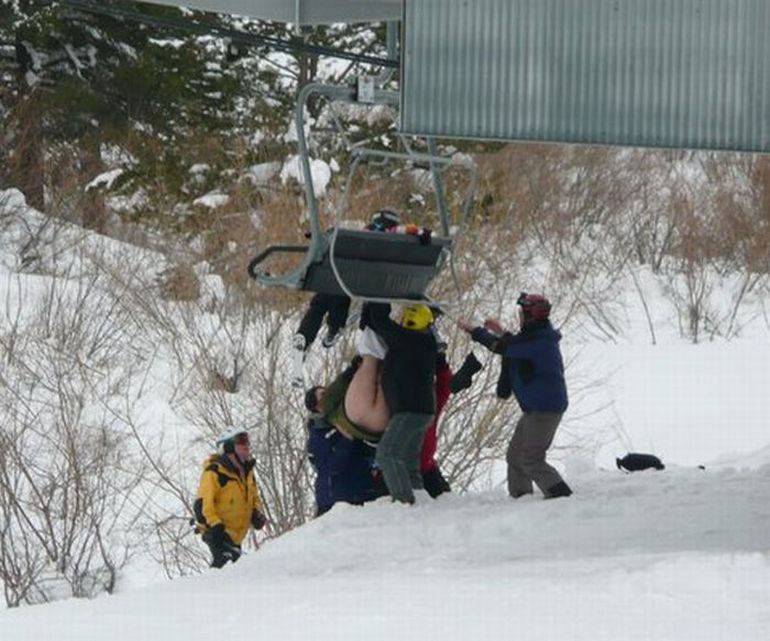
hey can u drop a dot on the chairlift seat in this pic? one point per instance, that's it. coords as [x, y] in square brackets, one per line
[378, 265]
[371, 264]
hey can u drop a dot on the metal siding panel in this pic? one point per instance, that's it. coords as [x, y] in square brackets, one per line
[684, 73]
[311, 11]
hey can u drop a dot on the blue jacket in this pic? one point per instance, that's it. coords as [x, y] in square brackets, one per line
[343, 467]
[532, 366]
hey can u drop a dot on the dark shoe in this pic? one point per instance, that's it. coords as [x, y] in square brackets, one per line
[329, 340]
[434, 482]
[558, 490]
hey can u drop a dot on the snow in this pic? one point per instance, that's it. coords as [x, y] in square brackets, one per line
[320, 173]
[130, 203]
[693, 400]
[106, 179]
[261, 174]
[681, 554]
[173, 43]
[199, 168]
[212, 200]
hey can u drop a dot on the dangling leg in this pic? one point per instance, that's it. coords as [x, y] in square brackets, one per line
[364, 401]
[336, 318]
[306, 334]
[313, 317]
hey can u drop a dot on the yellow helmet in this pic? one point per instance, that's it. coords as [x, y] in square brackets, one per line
[416, 317]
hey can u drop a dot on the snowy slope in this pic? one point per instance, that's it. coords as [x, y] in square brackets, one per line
[678, 554]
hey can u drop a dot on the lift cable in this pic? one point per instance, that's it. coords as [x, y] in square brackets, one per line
[234, 35]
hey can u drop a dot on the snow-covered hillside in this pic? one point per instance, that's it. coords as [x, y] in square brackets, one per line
[678, 554]
[682, 554]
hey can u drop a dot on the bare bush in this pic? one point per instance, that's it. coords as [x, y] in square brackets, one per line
[229, 359]
[62, 483]
[179, 283]
[108, 334]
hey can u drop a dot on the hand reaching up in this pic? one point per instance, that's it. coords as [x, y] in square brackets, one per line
[465, 325]
[493, 326]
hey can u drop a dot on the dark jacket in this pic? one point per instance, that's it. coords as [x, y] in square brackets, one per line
[343, 467]
[532, 366]
[409, 368]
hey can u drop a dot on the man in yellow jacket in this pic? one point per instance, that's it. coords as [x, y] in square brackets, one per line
[228, 500]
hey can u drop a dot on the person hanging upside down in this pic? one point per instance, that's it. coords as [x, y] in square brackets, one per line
[354, 402]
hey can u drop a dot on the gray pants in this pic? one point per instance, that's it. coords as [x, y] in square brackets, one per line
[398, 454]
[526, 453]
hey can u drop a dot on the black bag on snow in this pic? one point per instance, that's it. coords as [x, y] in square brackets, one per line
[635, 462]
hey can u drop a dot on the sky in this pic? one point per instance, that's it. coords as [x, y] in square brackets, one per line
[680, 554]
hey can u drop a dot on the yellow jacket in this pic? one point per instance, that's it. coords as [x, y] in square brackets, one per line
[225, 497]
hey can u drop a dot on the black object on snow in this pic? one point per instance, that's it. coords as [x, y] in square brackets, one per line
[635, 462]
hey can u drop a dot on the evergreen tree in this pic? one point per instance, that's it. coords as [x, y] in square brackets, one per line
[75, 82]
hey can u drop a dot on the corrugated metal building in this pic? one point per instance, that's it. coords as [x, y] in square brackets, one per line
[668, 73]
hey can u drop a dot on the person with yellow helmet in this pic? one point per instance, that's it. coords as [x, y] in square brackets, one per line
[408, 378]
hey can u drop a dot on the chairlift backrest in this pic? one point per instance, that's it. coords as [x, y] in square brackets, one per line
[377, 265]
[370, 264]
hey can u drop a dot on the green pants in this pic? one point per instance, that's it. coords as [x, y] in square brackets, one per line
[398, 454]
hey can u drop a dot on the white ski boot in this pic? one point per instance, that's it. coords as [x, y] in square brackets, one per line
[298, 362]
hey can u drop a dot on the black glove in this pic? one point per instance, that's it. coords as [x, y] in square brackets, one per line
[463, 377]
[217, 535]
[504, 389]
[258, 520]
[424, 236]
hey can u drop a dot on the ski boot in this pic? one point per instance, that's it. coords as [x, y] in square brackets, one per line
[298, 362]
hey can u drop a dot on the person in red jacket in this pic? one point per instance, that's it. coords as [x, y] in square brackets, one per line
[446, 383]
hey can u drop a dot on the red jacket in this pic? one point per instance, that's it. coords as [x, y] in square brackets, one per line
[429, 444]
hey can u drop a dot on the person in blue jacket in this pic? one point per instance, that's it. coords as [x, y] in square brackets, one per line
[533, 370]
[345, 469]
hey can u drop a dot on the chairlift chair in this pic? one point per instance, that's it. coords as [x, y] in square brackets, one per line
[362, 264]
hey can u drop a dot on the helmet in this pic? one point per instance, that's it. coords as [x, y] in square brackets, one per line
[311, 399]
[226, 440]
[534, 307]
[383, 220]
[416, 317]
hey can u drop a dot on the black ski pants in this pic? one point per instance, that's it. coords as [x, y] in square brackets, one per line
[334, 307]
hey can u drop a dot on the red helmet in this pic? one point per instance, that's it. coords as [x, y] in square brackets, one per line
[534, 307]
